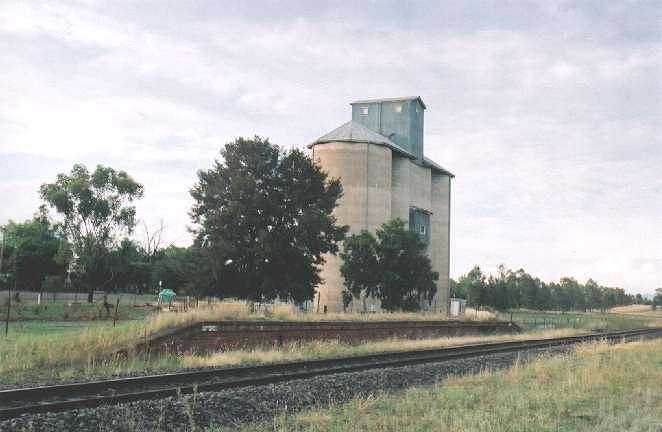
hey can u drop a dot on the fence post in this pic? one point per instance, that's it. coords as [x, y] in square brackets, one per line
[117, 306]
[8, 312]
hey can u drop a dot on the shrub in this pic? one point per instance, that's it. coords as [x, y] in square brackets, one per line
[52, 283]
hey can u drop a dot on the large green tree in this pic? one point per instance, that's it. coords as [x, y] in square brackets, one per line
[393, 267]
[264, 217]
[96, 211]
[360, 267]
[129, 267]
[407, 278]
[172, 267]
[474, 284]
[457, 290]
[33, 250]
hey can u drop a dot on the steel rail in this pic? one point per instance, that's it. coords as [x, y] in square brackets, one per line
[65, 397]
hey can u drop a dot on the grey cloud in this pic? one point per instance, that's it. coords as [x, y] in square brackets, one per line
[547, 112]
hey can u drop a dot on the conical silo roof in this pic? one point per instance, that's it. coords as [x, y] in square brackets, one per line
[357, 133]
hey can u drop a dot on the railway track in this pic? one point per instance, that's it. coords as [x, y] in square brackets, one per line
[14, 403]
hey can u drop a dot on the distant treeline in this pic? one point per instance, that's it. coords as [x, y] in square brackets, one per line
[38, 257]
[509, 289]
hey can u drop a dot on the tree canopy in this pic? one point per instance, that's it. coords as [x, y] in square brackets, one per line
[393, 268]
[96, 210]
[264, 219]
[509, 289]
[33, 250]
[657, 298]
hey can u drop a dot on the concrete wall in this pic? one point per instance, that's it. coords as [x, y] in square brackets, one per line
[365, 173]
[440, 239]
[420, 186]
[379, 186]
[400, 181]
[378, 179]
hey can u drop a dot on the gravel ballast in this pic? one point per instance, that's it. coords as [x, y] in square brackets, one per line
[261, 403]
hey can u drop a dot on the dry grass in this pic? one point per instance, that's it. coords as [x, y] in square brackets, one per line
[638, 310]
[286, 312]
[90, 352]
[598, 387]
[479, 315]
[92, 349]
[325, 349]
[585, 320]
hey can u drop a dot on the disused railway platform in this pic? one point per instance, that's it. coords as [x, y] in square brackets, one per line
[230, 335]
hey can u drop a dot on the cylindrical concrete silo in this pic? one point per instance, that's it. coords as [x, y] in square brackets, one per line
[363, 165]
[379, 157]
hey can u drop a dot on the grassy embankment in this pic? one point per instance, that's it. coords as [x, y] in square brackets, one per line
[621, 318]
[49, 350]
[38, 351]
[597, 387]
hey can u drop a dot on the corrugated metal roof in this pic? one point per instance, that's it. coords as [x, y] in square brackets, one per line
[356, 132]
[434, 166]
[396, 99]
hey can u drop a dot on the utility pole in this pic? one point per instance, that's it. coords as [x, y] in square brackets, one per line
[9, 286]
[2, 253]
[9, 297]
[2, 248]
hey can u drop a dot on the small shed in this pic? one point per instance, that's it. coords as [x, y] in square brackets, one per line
[457, 307]
[166, 296]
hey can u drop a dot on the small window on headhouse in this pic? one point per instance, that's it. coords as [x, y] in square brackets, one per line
[398, 108]
[422, 229]
[364, 110]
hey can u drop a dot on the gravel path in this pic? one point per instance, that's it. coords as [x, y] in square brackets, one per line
[232, 407]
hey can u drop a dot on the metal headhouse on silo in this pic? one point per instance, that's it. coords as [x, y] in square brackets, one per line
[379, 158]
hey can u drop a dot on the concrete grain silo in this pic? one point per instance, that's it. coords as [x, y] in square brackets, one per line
[379, 158]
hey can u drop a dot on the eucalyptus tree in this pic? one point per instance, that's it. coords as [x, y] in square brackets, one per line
[96, 211]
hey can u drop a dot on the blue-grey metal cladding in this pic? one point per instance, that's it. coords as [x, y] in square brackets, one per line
[416, 128]
[419, 222]
[401, 121]
[371, 120]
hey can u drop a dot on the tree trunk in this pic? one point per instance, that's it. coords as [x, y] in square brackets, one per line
[90, 295]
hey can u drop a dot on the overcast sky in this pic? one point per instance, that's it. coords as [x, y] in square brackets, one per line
[548, 113]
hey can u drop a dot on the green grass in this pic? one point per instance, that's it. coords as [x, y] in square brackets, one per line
[596, 388]
[66, 310]
[47, 329]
